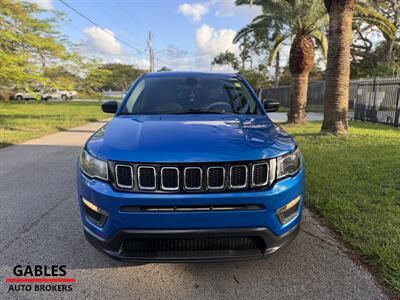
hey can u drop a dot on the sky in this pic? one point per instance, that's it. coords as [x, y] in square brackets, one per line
[186, 34]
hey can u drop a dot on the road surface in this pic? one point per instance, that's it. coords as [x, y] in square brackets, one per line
[40, 225]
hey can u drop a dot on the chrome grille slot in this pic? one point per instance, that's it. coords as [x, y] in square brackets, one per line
[193, 178]
[238, 177]
[215, 178]
[170, 179]
[259, 174]
[147, 178]
[124, 176]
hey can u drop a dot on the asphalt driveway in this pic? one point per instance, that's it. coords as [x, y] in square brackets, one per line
[40, 224]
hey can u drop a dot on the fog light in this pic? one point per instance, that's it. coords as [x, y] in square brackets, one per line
[94, 213]
[289, 211]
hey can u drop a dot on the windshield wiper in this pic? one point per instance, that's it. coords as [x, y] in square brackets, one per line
[198, 111]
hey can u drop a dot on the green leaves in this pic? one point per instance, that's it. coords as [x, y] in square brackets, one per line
[226, 58]
[29, 45]
[368, 14]
[322, 41]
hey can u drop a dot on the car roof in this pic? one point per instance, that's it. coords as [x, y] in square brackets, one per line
[190, 74]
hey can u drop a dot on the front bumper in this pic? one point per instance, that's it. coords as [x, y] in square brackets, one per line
[114, 245]
[120, 225]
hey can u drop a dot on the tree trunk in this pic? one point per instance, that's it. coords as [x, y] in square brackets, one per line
[277, 68]
[389, 51]
[338, 68]
[301, 62]
[298, 92]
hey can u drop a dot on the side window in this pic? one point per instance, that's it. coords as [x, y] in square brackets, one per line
[130, 103]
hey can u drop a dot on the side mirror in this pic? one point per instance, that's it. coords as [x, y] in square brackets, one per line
[271, 105]
[110, 107]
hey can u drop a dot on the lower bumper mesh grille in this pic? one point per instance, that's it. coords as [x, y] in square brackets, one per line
[234, 243]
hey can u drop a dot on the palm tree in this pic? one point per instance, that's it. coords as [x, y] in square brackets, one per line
[341, 13]
[226, 58]
[304, 23]
[338, 67]
[301, 21]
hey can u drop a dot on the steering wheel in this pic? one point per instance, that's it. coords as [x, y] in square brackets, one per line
[220, 103]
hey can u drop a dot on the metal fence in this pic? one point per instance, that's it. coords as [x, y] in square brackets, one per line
[378, 100]
[375, 100]
[316, 92]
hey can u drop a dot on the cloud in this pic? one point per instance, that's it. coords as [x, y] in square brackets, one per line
[101, 41]
[220, 8]
[43, 4]
[212, 42]
[195, 11]
[228, 8]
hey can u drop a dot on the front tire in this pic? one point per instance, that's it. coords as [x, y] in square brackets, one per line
[19, 98]
[64, 97]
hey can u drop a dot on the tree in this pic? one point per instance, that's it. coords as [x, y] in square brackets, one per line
[164, 69]
[338, 68]
[29, 45]
[302, 22]
[121, 77]
[369, 56]
[61, 77]
[245, 47]
[256, 41]
[391, 10]
[226, 58]
[256, 79]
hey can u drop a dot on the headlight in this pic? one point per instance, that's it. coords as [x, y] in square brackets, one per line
[289, 164]
[93, 167]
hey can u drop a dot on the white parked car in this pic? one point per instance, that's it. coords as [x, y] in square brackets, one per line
[59, 95]
[28, 95]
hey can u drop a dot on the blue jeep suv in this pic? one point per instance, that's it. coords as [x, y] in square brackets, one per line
[190, 168]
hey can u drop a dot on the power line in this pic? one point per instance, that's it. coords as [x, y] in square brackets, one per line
[122, 26]
[99, 26]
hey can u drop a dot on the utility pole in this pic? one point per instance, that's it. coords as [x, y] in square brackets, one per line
[151, 52]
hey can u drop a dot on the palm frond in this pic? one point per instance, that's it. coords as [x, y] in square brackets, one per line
[322, 42]
[276, 48]
[370, 15]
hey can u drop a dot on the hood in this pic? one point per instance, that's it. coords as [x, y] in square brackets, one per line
[189, 138]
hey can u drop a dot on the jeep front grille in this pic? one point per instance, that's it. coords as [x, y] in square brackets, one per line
[193, 178]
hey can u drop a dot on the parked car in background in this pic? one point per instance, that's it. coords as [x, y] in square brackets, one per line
[73, 94]
[59, 95]
[28, 95]
[113, 94]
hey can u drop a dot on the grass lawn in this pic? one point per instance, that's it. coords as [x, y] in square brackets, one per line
[20, 122]
[354, 182]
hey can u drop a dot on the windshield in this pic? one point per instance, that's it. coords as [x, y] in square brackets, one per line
[181, 95]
